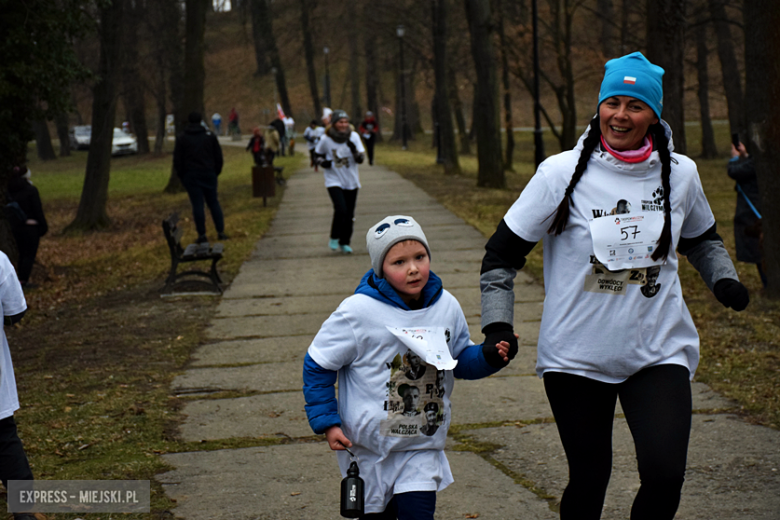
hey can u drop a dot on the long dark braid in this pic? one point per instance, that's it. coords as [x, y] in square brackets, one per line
[662, 145]
[562, 213]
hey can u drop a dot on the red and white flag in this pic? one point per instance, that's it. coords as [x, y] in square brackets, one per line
[629, 79]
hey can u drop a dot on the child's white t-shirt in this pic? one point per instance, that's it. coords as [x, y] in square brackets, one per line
[398, 452]
[601, 324]
[12, 302]
[343, 172]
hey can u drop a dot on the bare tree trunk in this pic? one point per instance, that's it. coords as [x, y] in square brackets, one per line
[625, 12]
[62, 133]
[446, 133]
[308, 51]
[91, 214]
[194, 67]
[665, 48]
[43, 140]
[261, 51]
[606, 20]
[354, 65]
[372, 78]
[728, 66]
[174, 58]
[508, 125]
[708, 148]
[762, 47]
[263, 10]
[457, 107]
[133, 94]
[481, 28]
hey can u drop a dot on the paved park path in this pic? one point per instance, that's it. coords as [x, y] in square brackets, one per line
[507, 459]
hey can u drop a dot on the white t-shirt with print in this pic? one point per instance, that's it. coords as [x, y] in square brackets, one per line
[601, 324]
[12, 302]
[398, 452]
[343, 172]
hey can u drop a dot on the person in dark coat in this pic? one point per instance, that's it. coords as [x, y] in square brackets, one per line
[197, 159]
[257, 146]
[29, 225]
[278, 124]
[368, 130]
[747, 224]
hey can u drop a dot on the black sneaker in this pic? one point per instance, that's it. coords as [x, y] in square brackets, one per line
[202, 239]
[222, 236]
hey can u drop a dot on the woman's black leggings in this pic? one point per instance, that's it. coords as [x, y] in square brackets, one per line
[657, 405]
[343, 213]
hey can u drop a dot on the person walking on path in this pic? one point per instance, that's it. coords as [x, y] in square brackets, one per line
[197, 159]
[378, 411]
[312, 136]
[30, 225]
[272, 144]
[601, 336]
[216, 120]
[13, 459]
[257, 146]
[233, 127]
[368, 130]
[747, 216]
[339, 152]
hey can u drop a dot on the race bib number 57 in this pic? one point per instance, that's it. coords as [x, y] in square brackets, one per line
[627, 241]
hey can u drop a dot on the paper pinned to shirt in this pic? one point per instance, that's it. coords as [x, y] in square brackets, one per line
[428, 343]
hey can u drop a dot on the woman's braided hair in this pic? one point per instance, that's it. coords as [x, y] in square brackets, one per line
[588, 146]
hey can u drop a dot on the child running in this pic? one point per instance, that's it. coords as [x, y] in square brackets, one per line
[393, 409]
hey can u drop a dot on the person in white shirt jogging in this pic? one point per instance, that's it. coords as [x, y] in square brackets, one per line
[614, 324]
[339, 152]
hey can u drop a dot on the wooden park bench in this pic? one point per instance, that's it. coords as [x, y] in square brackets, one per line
[192, 253]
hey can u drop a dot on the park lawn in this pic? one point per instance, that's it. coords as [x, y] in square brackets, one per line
[97, 351]
[740, 351]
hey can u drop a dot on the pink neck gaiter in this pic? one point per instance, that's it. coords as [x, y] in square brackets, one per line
[632, 156]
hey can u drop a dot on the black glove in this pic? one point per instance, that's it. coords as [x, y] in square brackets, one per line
[326, 164]
[494, 333]
[359, 158]
[731, 293]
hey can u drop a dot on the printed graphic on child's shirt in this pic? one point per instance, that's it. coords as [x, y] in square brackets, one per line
[415, 392]
[340, 162]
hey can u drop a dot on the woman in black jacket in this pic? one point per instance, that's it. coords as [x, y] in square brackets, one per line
[29, 229]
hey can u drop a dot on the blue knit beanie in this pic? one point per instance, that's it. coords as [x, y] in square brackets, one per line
[633, 75]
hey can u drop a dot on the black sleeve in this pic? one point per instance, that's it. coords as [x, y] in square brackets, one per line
[43, 226]
[16, 318]
[218, 161]
[742, 170]
[686, 244]
[505, 250]
[178, 159]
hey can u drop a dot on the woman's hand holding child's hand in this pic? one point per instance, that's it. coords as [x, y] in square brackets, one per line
[336, 438]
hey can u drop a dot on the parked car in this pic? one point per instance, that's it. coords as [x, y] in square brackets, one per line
[79, 137]
[123, 143]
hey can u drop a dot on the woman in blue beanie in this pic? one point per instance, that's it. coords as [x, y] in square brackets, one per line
[611, 213]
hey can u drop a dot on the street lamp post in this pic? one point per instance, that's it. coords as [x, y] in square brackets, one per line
[326, 50]
[274, 71]
[400, 30]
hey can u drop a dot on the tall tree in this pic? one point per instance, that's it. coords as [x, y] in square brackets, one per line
[708, 148]
[508, 124]
[92, 214]
[43, 140]
[762, 86]
[446, 136]
[665, 48]
[308, 52]
[262, 9]
[194, 67]
[354, 66]
[457, 107]
[38, 65]
[172, 51]
[491, 169]
[258, 38]
[372, 74]
[607, 24]
[61, 122]
[728, 66]
[133, 93]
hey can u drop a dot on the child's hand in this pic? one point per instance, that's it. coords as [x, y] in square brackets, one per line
[336, 438]
[503, 350]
